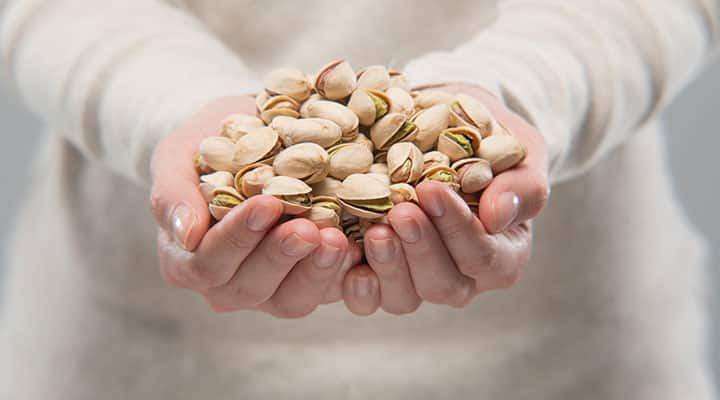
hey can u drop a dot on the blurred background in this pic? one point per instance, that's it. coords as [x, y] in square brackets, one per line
[694, 139]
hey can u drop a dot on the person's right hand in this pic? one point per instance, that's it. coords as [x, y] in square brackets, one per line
[244, 261]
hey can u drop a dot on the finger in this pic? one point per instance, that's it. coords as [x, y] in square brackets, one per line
[353, 256]
[361, 290]
[304, 288]
[385, 256]
[264, 269]
[474, 251]
[436, 278]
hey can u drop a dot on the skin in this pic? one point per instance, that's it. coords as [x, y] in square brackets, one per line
[437, 252]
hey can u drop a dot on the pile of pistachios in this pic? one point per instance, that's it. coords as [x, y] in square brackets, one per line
[342, 148]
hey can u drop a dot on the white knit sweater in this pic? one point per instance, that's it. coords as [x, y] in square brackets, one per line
[615, 315]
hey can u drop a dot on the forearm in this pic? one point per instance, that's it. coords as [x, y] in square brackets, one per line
[115, 77]
[586, 73]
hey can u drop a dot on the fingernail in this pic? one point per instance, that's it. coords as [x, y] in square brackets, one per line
[434, 205]
[407, 229]
[294, 246]
[183, 221]
[381, 250]
[361, 286]
[326, 257]
[259, 219]
[506, 207]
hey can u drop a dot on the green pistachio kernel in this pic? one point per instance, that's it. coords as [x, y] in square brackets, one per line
[375, 205]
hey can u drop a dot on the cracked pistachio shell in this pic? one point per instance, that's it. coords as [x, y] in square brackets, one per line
[369, 105]
[475, 174]
[347, 220]
[288, 81]
[354, 233]
[293, 193]
[435, 158]
[250, 180]
[336, 112]
[384, 178]
[432, 97]
[218, 153]
[448, 144]
[364, 196]
[404, 162]
[201, 167]
[224, 199]
[280, 105]
[380, 157]
[260, 144]
[336, 80]
[399, 80]
[363, 140]
[402, 192]
[469, 111]
[209, 182]
[326, 212]
[430, 123]
[237, 125]
[304, 113]
[349, 158]
[327, 187]
[502, 151]
[379, 168]
[400, 101]
[374, 77]
[391, 129]
[308, 162]
[307, 130]
[442, 174]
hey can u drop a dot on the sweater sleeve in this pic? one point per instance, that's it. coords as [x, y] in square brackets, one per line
[114, 77]
[586, 73]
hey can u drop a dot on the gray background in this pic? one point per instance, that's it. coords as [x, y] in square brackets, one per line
[694, 140]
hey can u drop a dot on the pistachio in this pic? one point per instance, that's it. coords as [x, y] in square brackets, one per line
[325, 212]
[400, 101]
[250, 180]
[472, 200]
[201, 167]
[442, 174]
[347, 220]
[237, 125]
[383, 178]
[288, 81]
[399, 80]
[430, 123]
[404, 162]
[308, 162]
[349, 158]
[218, 153]
[429, 98]
[435, 158]
[468, 111]
[363, 140]
[304, 106]
[403, 192]
[336, 80]
[279, 105]
[475, 174]
[364, 196]
[460, 142]
[327, 187]
[293, 193]
[375, 77]
[259, 145]
[339, 114]
[307, 130]
[502, 151]
[379, 168]
[369, 105]
[210, 182]
[391, 129]
[224, 199]
[354, 233]
[380, 157]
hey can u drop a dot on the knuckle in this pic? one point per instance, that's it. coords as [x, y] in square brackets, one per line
[248, 297]
[202, 276]
[241, 242]
[507, 278]
[479, 264]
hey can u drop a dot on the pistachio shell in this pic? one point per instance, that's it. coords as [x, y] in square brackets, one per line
[369, 105]
[475, 174]
[288, 81]
[399, 80]
[429, 98]
[269, 115]
[323, 217]
[326, 187]
[293, 193]
[472, 199]
[260, 100]
[336, 80]
[336, 112]
[442, 174]
[307, 130]
[305, 161]
[502, 151]
[379, 168]
[400, 101]
[402, 192]
[250, 180]
[349, 158]
[435, 158]
[374, 77]
[347, 220]
[218, 152]
[201, 167]
[237, 125]
[363, 140]
[390, 129]
[304, 107]
[447, 142]
[218, 179]
[380, 157]
[364, 196]
[468, 111]
[280, 101]
[223, 200]
[405, 162]
[384, 178]
[259, 144]
[430, 123]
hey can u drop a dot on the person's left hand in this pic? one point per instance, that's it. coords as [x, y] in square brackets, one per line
[440, 251]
